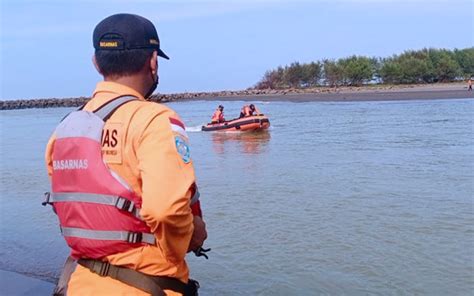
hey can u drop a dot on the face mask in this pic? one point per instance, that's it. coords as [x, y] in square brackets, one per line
[153, 87]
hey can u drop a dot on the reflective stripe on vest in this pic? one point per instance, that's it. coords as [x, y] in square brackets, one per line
[126, 236]
[119, 202]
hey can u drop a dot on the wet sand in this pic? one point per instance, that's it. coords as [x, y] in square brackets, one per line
[348, 94]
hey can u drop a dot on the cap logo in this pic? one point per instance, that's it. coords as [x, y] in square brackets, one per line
[154, 41]
[108, 44]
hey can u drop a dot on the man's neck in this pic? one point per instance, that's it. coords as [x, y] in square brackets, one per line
[135, 82]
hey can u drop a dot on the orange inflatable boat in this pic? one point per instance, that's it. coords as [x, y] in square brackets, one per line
[250, 123]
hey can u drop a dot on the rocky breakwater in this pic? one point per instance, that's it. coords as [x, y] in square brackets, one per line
[76, 102]
[42, 103]
[248, 94]
[162, 98]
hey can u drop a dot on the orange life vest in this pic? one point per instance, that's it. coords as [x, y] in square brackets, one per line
[99, 214]
[217, 116]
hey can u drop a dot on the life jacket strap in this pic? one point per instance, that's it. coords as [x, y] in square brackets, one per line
[131, 237]
[119, 202]
[105, 111]
[111, 109]
[153, 285]
[47, 198]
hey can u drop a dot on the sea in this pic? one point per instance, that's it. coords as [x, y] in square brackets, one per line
[336, 198]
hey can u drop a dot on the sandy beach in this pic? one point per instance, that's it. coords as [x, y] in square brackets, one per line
[416, 92]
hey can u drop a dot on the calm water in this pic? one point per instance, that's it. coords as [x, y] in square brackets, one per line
[338, 198]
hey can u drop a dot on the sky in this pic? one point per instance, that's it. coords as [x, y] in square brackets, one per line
[46, 46]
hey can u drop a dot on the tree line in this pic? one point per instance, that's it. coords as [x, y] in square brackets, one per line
[428, 65]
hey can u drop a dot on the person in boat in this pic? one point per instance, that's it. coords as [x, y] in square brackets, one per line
[127, 201]
[218, 115]
[254, 110]
[249, 110]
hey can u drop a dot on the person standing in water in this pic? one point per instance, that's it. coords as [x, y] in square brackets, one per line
[123, 183]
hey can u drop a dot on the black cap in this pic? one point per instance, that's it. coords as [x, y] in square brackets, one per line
[126, 31]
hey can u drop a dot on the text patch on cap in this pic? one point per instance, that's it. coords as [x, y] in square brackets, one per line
[111, 41]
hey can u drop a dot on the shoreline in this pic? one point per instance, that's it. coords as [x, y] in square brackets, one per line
[319, 94]
[347, 97]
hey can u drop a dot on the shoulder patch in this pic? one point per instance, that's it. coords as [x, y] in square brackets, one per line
[182, 147]
[181, 139]
[178, 127]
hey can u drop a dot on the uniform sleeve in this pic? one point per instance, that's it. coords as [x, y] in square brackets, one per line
[49, 155]
[166, 178]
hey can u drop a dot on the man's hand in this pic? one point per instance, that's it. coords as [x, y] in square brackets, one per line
[199, 234]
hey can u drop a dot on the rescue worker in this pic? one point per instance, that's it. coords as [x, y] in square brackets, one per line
[254, 110]
[218, 115]
[131, 218]
[245, 111]
[249, 111]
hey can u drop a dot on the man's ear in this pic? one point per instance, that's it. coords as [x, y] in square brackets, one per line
[154, 63]
[94, 61]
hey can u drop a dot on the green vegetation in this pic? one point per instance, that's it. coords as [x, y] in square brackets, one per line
[413, 66]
